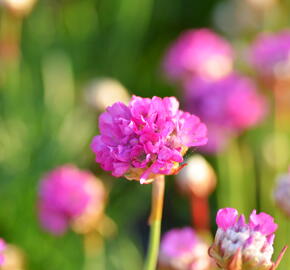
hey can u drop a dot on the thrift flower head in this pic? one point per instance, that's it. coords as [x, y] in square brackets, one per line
[181, 249]
[251, 243]
[282, 193]
[198, 52]
[66, 195]
[228, 106]
[146, 138]
[270, 54]
[2, 249]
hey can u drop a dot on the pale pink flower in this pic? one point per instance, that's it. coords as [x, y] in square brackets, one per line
[182, 249]
[270, 54]
[228, 106]
[146, 138]
[198, 52]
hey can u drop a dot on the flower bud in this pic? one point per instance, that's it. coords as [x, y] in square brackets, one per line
[104, 92]
[239, 245]
[19, 7]
[197, 178]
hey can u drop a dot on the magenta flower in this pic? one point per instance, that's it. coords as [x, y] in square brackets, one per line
[2, 249]
[198, 52]
[67, 194]
[270, 54]
[182, 249]
[146, 138]
[228, 106]
[247, 244]
[282, 193]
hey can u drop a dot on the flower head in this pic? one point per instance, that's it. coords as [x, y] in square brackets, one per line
[198, 52]
[270, 54]
[182, 249]
[146, 138]
[228, 106]
[67, 195]
[251, 244]
[282, 193]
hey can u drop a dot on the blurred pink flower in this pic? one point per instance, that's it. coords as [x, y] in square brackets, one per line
[65, 194]
[282, 193]
[251, 243]
[182, 249]
[2, 249]
[270, 54]
[145, 138]
[228, 106]
[198, 52]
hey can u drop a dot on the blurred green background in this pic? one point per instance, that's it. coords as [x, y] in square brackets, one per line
[45, 121]
[46, 60]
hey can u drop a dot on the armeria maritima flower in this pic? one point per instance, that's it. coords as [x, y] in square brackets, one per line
[198, 52]
[228, 106]
[146, 138]
[282, 193]
[182, 249]
[244, 246]
[270, 54]
[69, 196]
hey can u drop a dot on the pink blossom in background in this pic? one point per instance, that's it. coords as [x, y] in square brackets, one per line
[2, 248]
[65, 194]
[228, 106]
[145, 138]
[282, 193]
[198, 52]
[253, 239]
[182, 249]
[270, 54]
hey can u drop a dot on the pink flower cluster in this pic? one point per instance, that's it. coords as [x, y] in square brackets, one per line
[145, 138]
[2, 248]
[182, 249]
[254, 240]
[228, 106]
[200, 53]
[65, 194]
[270, 53]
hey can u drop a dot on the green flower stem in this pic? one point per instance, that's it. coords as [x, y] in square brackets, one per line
[155, 222]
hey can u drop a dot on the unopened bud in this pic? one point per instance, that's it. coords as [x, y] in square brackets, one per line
[197, 178]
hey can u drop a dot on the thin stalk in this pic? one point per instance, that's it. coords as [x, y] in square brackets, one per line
[155, 222]
[200, 212]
